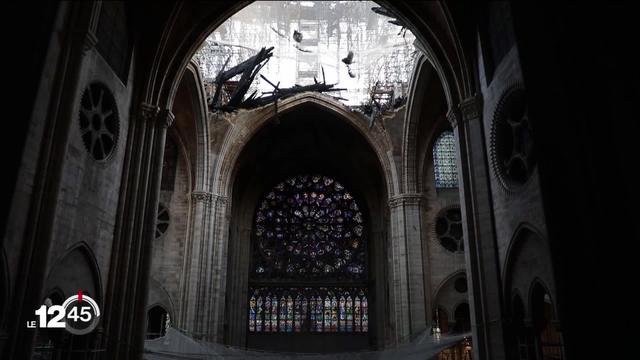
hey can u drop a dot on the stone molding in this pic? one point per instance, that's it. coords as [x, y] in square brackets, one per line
[90, 42]
[452, 117]
[468, 109]
[166, 118]
[202, 196]
[208, 198]
[406, 199]
[152, 113]
[148, 112]
[471, 108]
[219, 199]
[90, 38]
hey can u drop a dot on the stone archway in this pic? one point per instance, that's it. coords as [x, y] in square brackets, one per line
[334, 147]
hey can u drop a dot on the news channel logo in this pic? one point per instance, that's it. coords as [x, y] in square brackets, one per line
[79, 315]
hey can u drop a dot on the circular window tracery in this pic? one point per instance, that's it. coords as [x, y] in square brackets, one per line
[512, 149]
[99, 123]
[309, 227]
[162, 220]
[449, 229]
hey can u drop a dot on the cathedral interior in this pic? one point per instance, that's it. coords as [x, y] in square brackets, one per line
[320, 179]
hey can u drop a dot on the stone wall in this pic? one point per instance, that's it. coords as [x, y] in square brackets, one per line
[167, 265]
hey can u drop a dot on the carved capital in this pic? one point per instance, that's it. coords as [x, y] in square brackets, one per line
[471, 108]
[166, 118]
[148, 112]
[453, 116]
[219, 199]
[406, 199]
[201, 196]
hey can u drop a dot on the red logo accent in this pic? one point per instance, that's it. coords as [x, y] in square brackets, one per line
[80, 295]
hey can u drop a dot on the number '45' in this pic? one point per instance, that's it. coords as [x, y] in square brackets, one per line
[85, 314]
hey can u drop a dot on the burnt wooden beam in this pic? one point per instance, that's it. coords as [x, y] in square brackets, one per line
[284, 93]
[248, 68]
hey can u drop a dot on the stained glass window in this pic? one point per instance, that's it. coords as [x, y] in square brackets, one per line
[343, 314]
[283, 314]
[357, 315]
[312, 310]
[274, 314]
[349, 315]
[252, 314]
[327, 313]
[259, 314]
[317, 314]
[334, 314]
[444, 161]
[300, 313]
[365, 313]
[309, 227]
[267, 314]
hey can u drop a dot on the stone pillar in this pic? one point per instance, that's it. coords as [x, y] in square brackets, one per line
[219, 237]
[407, 293]
[36, 240]
[481, 255]
[196, 287]
[203, 286]
[124, 313]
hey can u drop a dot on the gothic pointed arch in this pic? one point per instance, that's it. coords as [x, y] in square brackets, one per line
[450, 293]
[316, 143]
[77, 270]
[527, 258]
[246, 128]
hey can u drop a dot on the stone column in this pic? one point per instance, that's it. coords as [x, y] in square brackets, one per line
[196, 287]
[203, 287]
[407, 293]
[481, 255]
[124, 313]
[36, 239]
[219, 237]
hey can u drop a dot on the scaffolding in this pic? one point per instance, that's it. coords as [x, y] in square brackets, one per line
[383, 52]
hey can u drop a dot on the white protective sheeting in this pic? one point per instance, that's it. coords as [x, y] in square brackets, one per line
[176, 345]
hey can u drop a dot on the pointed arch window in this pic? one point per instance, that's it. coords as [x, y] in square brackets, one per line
[444, 161]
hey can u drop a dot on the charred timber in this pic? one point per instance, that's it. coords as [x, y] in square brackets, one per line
[278, 94]
[248, 68]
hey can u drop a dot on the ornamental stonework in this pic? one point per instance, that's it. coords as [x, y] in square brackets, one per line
[513, 156]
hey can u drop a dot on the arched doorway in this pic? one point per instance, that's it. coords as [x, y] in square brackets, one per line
[548, 339]
[462, 316]
[157, 318]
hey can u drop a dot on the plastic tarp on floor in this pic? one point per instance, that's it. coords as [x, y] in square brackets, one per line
[177, 345]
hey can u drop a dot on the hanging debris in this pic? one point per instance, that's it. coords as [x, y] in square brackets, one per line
[249, 69]
[278, 93]
[348, 61]
[327, 32]
[395, 21]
